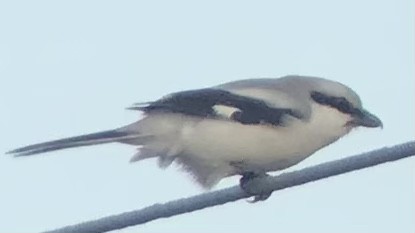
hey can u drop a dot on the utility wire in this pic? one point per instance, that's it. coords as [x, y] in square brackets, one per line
[269, 184]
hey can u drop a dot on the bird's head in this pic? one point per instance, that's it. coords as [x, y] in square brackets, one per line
[343, 99]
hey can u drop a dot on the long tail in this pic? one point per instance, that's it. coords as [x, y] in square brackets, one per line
[78, 141]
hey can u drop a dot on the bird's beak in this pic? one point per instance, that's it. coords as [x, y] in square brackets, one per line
[367, 119]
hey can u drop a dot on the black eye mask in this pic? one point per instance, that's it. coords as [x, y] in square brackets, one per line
[339, 103]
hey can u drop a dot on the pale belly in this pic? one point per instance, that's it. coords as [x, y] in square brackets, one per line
[251, 147]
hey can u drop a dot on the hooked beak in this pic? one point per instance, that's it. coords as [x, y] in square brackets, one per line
[366, 119]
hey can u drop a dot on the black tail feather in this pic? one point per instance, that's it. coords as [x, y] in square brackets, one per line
[78, 141]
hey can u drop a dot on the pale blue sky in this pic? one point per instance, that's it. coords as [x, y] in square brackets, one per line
[71, 67]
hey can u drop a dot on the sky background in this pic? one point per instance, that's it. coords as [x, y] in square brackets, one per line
[71, 67]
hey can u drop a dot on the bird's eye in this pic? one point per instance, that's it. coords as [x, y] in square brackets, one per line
[343, 105]
[319, 98]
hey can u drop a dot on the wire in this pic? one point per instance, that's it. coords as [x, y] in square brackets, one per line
[269, 184]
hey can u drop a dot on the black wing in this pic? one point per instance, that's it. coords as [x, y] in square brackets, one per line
[201, 103]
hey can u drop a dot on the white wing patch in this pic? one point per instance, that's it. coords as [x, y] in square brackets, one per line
[225, 111]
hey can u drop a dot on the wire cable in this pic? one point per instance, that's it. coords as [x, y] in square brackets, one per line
[264, 185]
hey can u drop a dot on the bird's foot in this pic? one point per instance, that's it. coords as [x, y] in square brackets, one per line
[250, 182]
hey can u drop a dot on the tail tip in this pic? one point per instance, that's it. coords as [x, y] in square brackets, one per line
[18, 153]
[10, 152]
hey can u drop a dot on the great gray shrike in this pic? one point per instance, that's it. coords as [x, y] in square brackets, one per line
[247, 127]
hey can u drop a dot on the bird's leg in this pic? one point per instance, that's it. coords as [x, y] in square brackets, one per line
[250, 182]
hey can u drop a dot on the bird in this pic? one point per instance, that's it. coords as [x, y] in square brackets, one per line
[246, 127]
